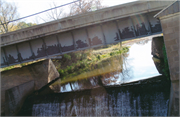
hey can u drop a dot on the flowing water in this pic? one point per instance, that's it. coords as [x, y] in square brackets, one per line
[105, 95]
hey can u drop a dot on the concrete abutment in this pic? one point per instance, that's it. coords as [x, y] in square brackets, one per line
[15, 83]
[170, 22]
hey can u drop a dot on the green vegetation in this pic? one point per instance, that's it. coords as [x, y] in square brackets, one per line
[21, 25]
[166, 66]
[73, 64]
[19, 65]
[76, 63]
[8, 68]
[68, 57]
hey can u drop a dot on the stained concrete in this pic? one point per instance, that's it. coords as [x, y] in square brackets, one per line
[170, 22]
[16, 96]
[41, 73]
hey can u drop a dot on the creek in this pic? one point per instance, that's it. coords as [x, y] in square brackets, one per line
[128, 85]
[135, 65]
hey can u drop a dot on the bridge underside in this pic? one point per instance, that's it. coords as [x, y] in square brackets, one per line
[83, 38]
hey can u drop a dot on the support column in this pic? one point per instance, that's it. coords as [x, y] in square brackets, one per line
[41, 73]
[169, 18]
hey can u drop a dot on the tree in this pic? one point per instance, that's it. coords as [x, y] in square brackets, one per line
[83, 6]
[21, 25]
[8, 12]
[54, 14]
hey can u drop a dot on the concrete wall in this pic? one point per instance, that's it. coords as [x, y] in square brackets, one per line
[41, 73]
[170, 25]
[16, 96]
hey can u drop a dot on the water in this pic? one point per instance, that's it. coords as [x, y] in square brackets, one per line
[105, 94]
[135, 65]
[136, 100]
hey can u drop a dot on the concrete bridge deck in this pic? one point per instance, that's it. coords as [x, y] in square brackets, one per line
[101, 27]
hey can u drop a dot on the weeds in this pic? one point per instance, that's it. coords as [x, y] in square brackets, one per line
[84, 61]
[67, 56]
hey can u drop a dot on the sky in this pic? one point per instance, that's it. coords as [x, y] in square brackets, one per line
[28, 7]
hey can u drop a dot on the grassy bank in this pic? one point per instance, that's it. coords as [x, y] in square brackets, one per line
[19, 65]
[106, 66]
[77, 63]
[67, 55]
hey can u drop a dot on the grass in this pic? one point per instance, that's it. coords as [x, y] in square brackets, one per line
[84, 61]
[107, 65]
[19, 65]
[68, 57]
[91, 57]
[59, 65]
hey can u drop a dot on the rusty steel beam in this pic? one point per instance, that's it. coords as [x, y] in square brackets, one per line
[73, 40]
[59, 45]
[146, 17]
[45, 48]
[87, 36]
[7, 61]
[132, 26]
[83, 38]
[104, 38]
[18, 54]
[118, 30]
[89, 41]
[31, 50]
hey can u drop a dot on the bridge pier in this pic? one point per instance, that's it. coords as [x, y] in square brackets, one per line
[170, 19]
[41, 73]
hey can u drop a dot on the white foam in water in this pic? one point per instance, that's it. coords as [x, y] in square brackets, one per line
[117, 103]
[49, 109]
[113, 102]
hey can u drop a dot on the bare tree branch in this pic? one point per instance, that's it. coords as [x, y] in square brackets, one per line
[84, 6]
[54, 14]
[8, 12]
